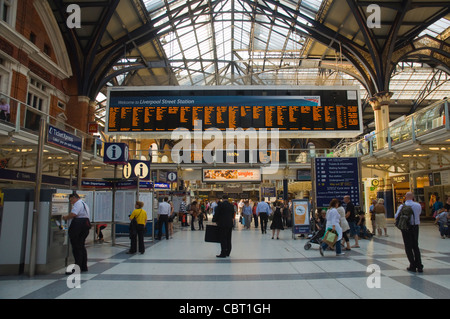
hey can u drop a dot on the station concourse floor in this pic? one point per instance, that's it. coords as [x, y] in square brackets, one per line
[186, 267]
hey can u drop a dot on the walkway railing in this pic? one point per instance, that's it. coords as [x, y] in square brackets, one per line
[409, 128]
[25, 118]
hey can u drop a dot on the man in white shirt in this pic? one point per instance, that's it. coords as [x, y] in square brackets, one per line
[411, 236]
[263, 210]
[163, 217]
[78, 229]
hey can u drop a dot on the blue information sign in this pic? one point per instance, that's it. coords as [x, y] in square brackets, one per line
[116, 153]
[336, 177]
[63, 139]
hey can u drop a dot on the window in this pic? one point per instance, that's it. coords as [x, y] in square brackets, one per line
[5, 75]
[61, 105]
[33, 37]
[7, 11]
[37, 98]
[35, 101]
[47, 49]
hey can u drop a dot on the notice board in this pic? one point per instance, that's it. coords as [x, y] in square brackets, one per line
[161, 110]
[336, 177]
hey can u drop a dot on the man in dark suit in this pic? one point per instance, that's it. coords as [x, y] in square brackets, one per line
[224, 220]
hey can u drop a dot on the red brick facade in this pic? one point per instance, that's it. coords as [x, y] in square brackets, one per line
[29, 34]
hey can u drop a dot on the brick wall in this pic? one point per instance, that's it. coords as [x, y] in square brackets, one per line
[29, 25]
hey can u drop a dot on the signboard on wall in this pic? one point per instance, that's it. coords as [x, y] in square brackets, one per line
[336, 177]
[63, 139]
[231, 175]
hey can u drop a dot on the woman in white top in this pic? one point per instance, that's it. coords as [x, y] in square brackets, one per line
[344, 225]
[333, 222]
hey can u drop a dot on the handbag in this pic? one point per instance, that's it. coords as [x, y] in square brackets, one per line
[330, 237]
[88, 222]
[212, 234]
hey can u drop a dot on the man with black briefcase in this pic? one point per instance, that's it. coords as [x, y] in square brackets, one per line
[224, 220]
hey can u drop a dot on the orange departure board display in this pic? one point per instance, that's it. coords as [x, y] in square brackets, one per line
[294, 110]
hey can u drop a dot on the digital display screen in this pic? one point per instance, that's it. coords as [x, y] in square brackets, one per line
[162, 110]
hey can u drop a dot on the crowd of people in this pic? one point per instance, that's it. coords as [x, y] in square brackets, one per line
[341, 218]
[247, 212]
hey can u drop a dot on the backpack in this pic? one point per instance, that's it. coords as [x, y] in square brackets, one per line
[403, 220]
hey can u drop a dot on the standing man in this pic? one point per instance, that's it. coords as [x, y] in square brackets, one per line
[263, 210]
[224, 220]
[351, 219]
[411, 236]
[78, 229]
[164, 210]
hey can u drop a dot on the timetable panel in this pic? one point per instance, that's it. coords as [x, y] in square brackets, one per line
[297, 110]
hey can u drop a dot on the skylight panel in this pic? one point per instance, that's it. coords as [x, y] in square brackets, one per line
[436, 28]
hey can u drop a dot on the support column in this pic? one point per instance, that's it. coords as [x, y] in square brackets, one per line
[380, 105]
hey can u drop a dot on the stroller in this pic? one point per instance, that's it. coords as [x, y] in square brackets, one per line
[316, 236]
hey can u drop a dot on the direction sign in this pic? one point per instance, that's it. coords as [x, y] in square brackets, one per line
[63, 139]
[335, 178]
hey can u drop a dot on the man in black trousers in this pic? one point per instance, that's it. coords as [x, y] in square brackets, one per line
[224, 220]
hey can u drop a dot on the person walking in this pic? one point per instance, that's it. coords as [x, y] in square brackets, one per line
[411, 235]
[333, 222]
[78, 229]
[224, 220]
[344, 225]
[380, 217]
[137, 238]
[277, 220]
[164, 210]
[263, 210]
[255, 214]
[351, 219]
[194, 213]
[372, 216]
[247, 213]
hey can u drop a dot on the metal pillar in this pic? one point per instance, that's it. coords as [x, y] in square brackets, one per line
[37, 193]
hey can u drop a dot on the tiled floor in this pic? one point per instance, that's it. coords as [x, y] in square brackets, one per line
[185, 267]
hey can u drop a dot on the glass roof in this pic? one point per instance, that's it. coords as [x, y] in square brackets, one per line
[228, 42]
[238, 42]
[437, 28]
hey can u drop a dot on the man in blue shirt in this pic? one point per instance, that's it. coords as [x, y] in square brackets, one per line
[263, 210]
[411, 236]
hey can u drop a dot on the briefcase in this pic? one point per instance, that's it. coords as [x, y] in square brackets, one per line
[212, 234]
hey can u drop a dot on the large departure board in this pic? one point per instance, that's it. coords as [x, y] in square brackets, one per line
[291, 110]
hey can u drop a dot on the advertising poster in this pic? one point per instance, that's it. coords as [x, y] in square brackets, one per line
[300, 211]
[232, 175]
